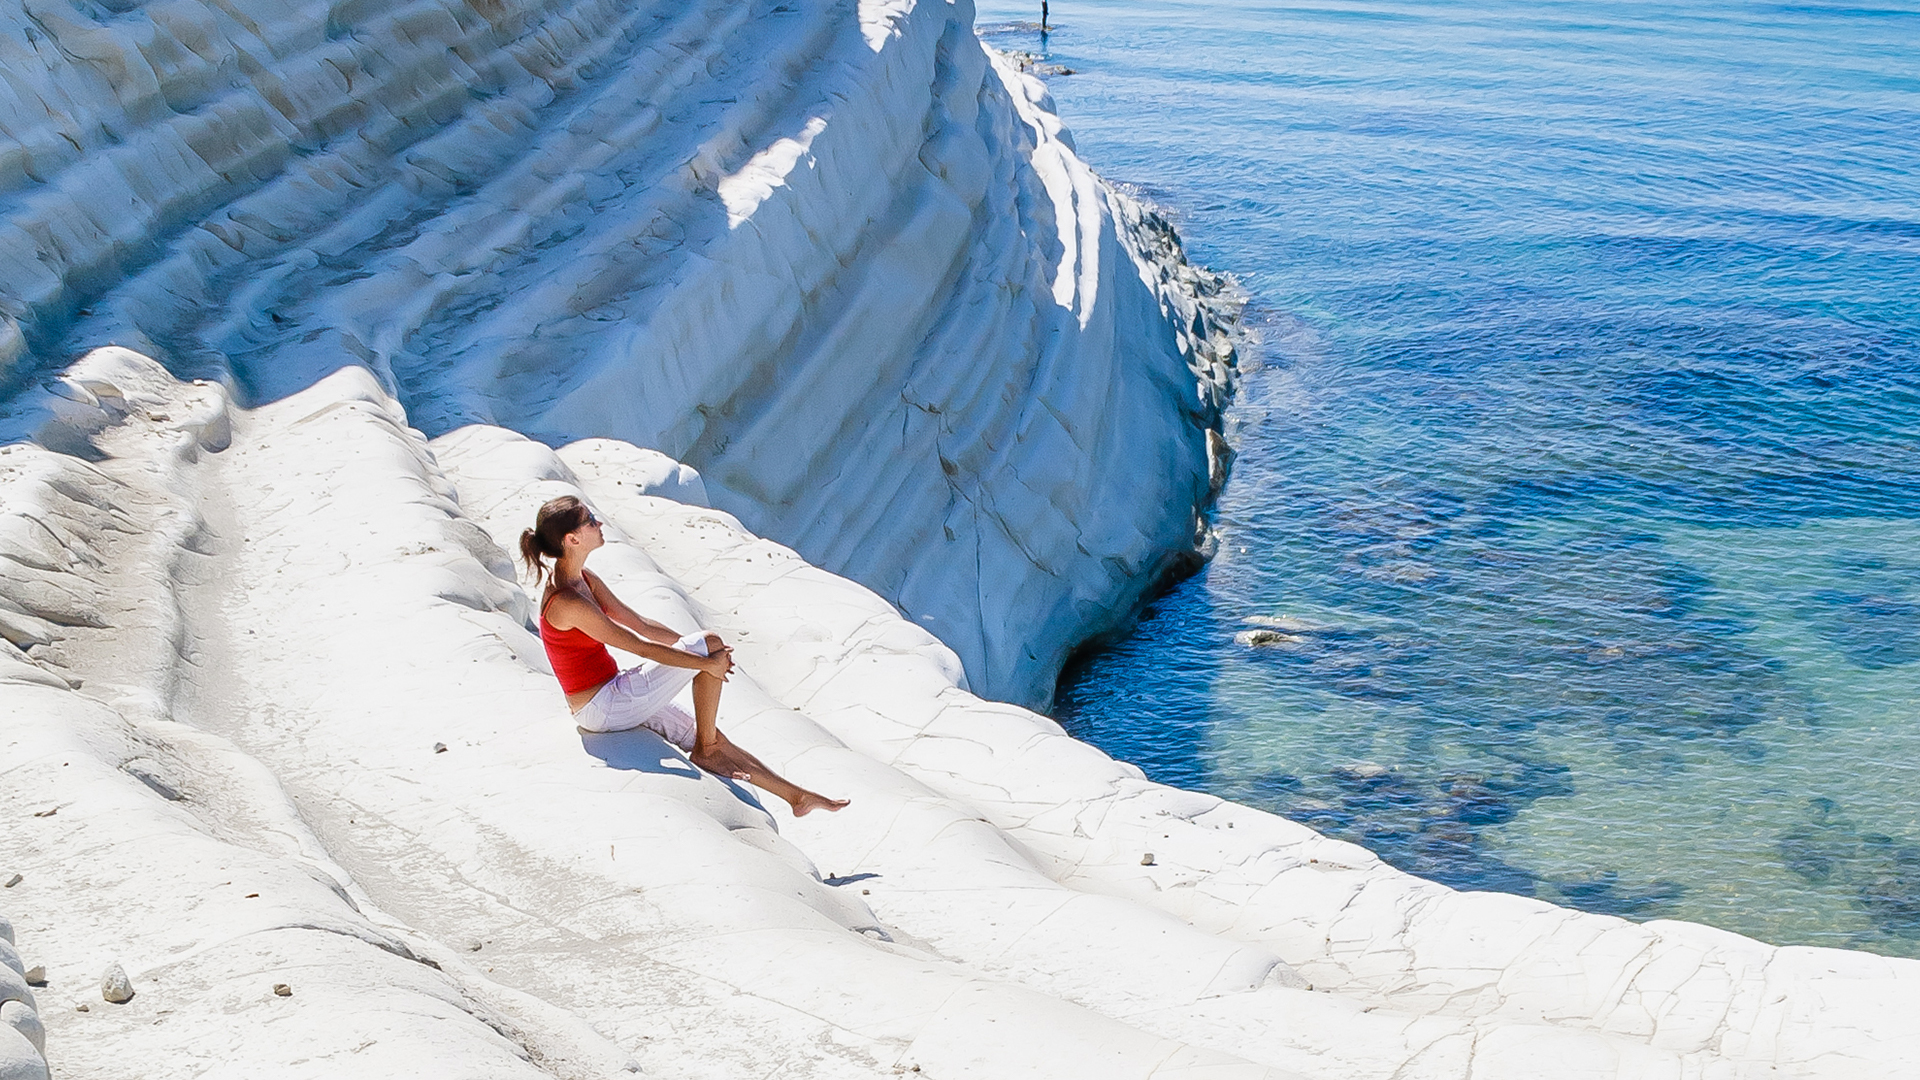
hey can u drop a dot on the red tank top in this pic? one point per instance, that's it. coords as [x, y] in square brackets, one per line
[579, 660]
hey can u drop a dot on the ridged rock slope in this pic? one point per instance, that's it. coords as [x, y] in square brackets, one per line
[833, 254]
[271, 714]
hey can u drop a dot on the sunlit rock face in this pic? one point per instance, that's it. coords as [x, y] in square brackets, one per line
[834, 255]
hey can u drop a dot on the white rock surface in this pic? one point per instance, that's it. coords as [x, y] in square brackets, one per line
[23, 1039]
[279, 630]
[828, 251]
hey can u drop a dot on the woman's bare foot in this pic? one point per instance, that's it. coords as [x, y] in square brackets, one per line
[808, 802]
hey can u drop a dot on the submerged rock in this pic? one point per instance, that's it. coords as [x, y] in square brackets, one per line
[1889, 887]
[1267, 637]
[1474, 800]
[1289, 624]
[1277, 783]
[1361, 773]
[1603, 894]
[1424, 825]
[1874, 630]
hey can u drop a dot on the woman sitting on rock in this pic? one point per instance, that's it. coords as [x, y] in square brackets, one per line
[580, 617]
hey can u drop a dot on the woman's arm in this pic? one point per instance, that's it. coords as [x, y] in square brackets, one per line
[565, 612]
[617, 610]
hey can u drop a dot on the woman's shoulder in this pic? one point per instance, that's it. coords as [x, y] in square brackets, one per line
[601, 596]
[560, 598]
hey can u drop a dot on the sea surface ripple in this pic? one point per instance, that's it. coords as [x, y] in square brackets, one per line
[1577, 511]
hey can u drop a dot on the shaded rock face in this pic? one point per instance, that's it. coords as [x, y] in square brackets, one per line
[835, 256]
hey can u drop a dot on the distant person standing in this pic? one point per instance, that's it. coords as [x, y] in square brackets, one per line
[580, 617]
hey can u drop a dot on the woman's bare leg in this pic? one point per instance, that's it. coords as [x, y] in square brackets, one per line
[747, 767]
[722, 756]
[707, 740]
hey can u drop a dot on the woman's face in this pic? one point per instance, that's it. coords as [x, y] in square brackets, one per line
[588, 536]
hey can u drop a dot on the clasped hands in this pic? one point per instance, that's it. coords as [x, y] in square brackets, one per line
[718, 663]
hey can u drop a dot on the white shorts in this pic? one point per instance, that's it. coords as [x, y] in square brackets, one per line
[642, 696]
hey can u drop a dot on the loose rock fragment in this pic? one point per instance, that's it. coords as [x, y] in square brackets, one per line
[282, 990]
[439, 748]
[115, 986]
[37, 975]
[48, 812]
[12, 880]
[1147, 859]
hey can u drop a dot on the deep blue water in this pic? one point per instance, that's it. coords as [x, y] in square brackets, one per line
[1579, 478]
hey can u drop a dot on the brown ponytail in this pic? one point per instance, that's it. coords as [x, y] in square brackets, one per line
[556, 519]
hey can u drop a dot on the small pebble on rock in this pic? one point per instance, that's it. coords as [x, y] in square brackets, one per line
[48, 812]
[83, 1007]
[473, 946]
[439, 748]
[37, 975]
[115, 986]
[14, 879]
[282, 990]
[1147, 859]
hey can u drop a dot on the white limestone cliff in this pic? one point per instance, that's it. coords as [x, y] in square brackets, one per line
[275, 718]
[831, 253]
[277, 742]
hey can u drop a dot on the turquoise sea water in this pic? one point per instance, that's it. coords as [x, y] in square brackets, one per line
[1579, 476]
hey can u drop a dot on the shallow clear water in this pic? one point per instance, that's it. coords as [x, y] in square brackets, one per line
[1579, 480]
